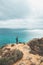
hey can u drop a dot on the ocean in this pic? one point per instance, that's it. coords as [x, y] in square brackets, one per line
[8, 36]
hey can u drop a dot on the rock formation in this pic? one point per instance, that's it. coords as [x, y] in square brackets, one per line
[36, 45]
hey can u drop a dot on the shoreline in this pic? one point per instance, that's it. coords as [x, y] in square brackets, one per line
[29, 54]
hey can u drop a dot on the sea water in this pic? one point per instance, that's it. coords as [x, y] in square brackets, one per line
[8, 36]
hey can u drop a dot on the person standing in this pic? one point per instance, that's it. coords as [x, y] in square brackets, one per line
[17, 40]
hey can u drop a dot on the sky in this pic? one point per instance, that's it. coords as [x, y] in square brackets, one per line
[21, 14]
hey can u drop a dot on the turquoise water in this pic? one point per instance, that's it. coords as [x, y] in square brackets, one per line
[8, 36]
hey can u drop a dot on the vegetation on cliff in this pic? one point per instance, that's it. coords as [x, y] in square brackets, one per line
[11, 57]
[36, 45]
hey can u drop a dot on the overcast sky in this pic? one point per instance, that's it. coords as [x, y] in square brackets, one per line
[21, 14]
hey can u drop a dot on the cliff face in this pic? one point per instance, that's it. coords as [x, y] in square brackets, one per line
[36, 45]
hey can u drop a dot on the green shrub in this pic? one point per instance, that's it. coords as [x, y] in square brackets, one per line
[5, 61]
[14, 56]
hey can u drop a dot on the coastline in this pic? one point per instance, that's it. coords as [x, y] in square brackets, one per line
[28, 57]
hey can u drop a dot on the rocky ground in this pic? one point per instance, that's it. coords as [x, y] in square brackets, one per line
[28, 57]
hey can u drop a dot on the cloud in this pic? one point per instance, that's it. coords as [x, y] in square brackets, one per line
[15, 23]
[21, 14]
[22, 23]
[12, 9]
[36, 9]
